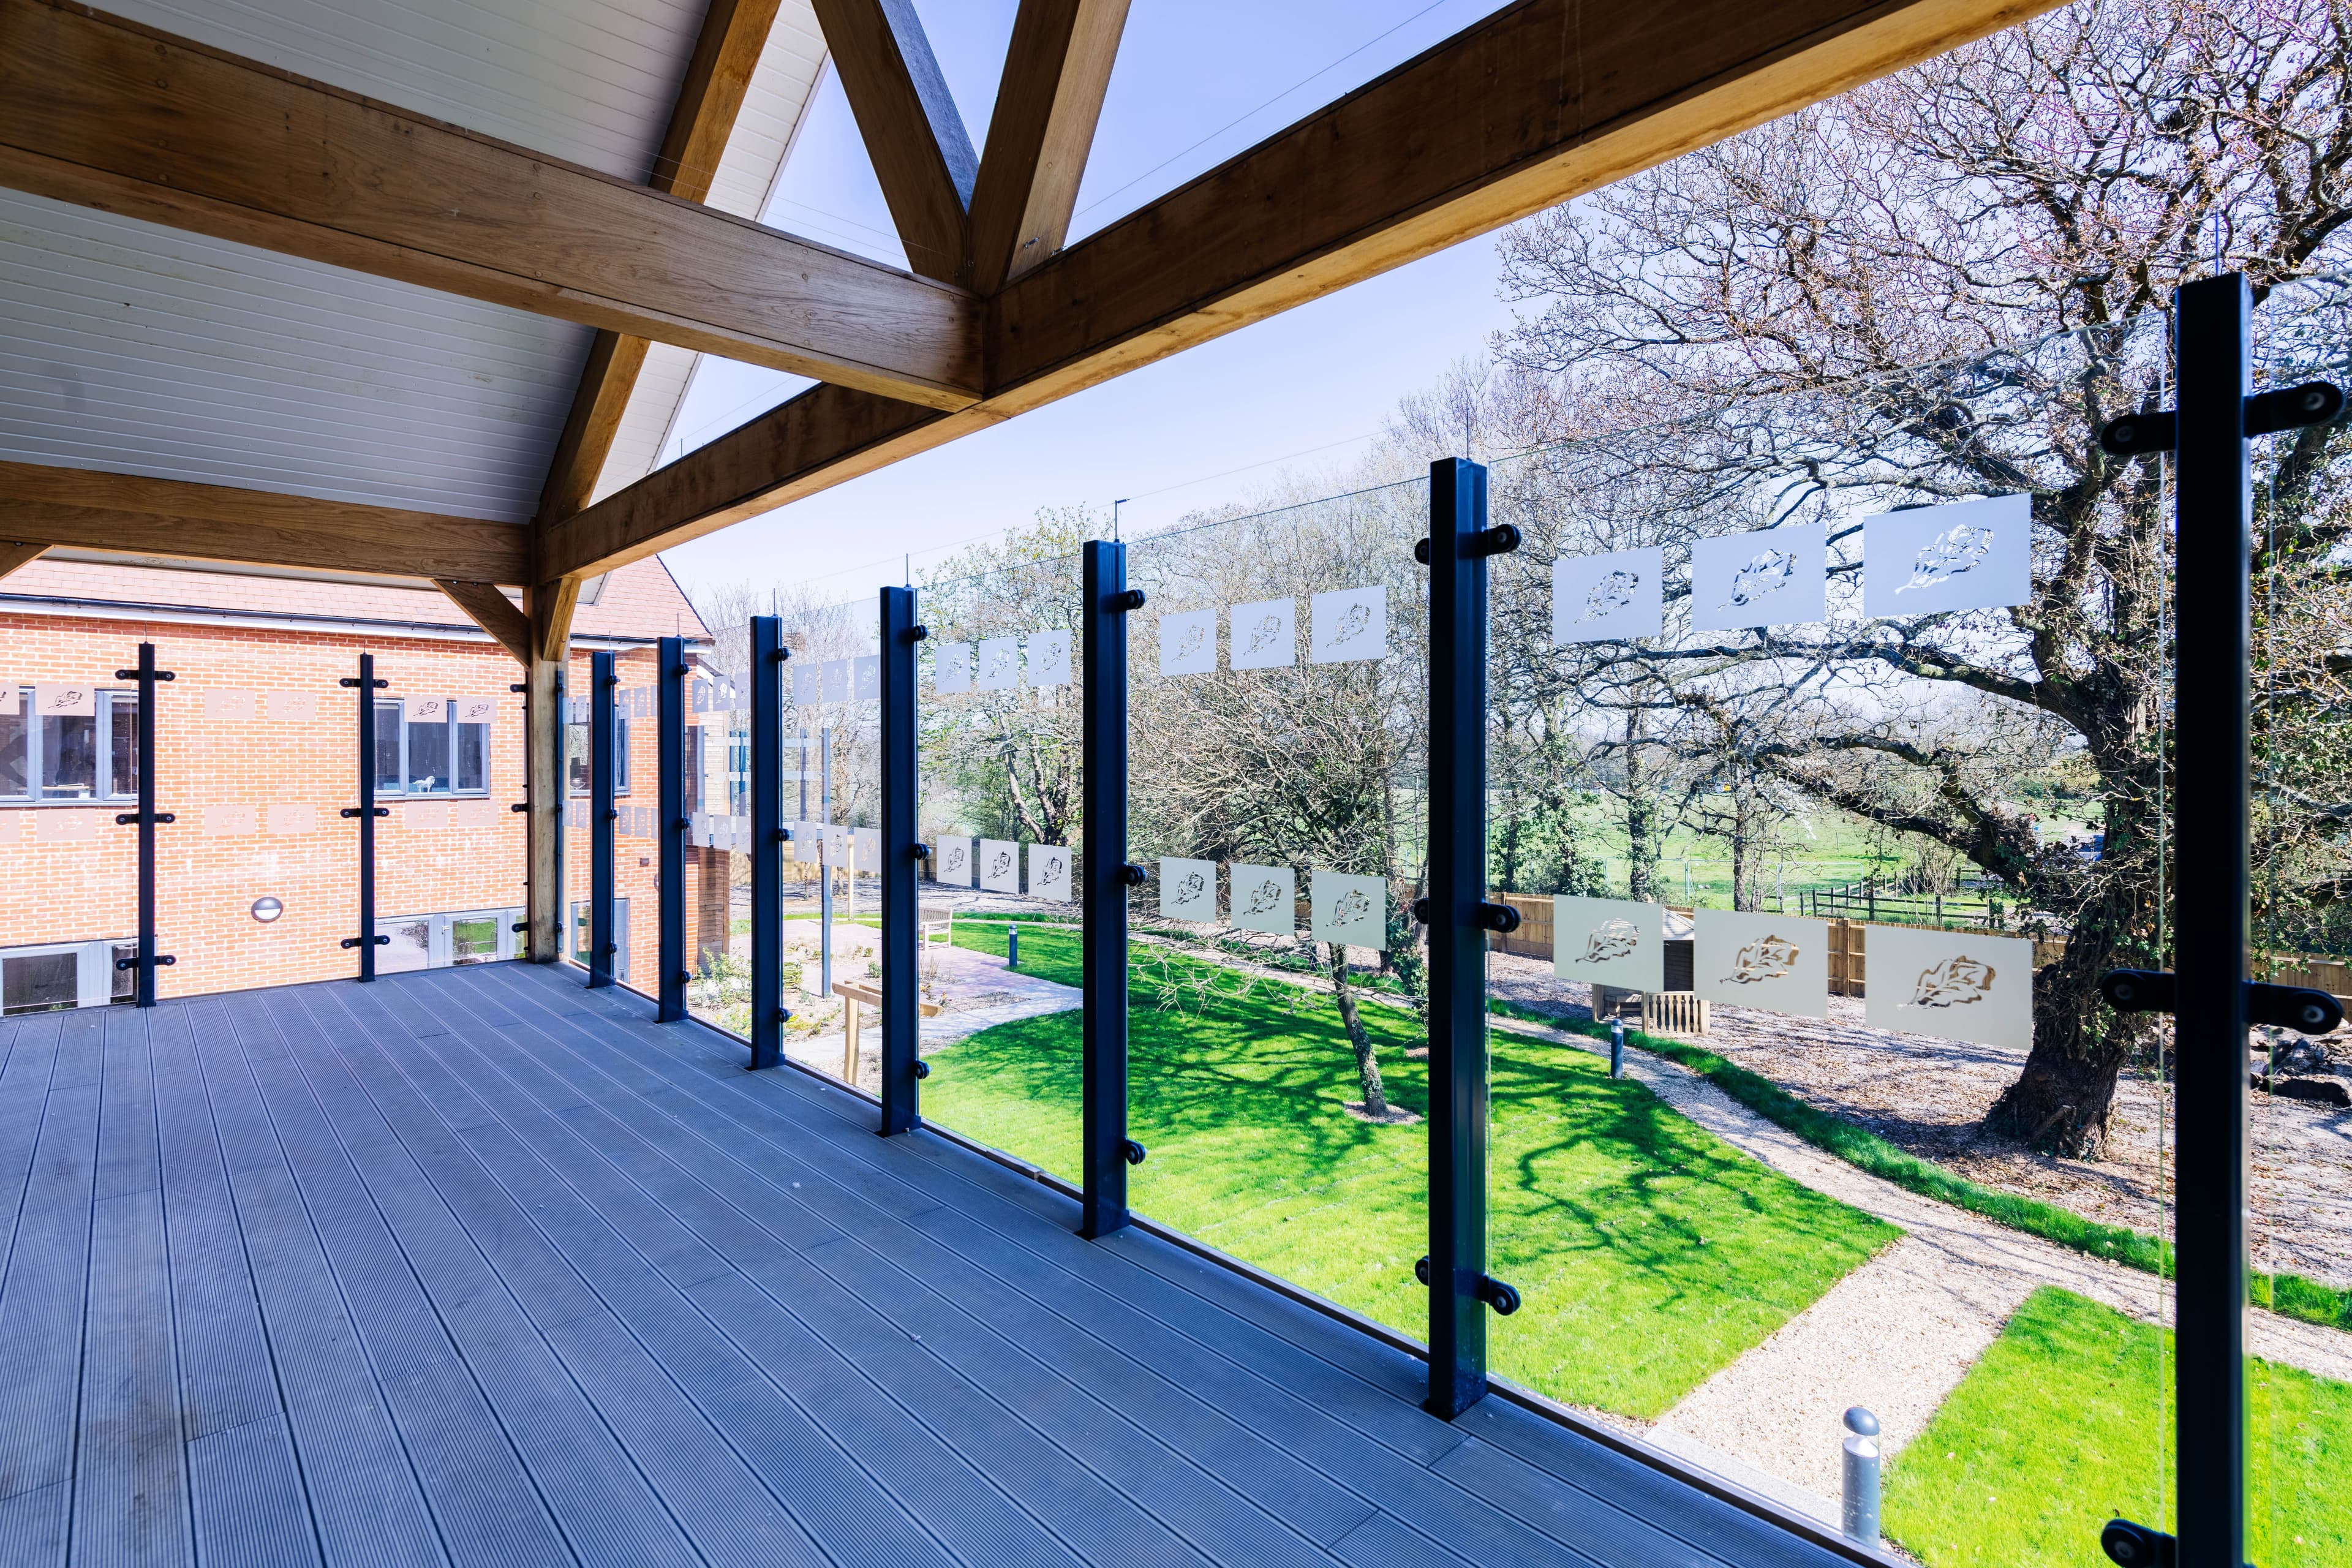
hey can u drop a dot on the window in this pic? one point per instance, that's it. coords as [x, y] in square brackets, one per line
[575, 756]
[579, 929]
[441, 758]
[74, 757]
[438, 942]
[57, 975]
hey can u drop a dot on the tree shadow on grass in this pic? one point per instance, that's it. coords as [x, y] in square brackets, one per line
[1650, 1254]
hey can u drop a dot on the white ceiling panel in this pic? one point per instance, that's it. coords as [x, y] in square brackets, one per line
[775, 105]
[590, 81]
[131, 348]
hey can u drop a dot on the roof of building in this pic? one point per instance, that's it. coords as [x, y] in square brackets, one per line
[638, 602]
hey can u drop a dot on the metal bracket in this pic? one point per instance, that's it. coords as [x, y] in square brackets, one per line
[1133, 875]
[1503, 1298]
[2295, 1007]
[2138, 1546]
[135, 675]
[354, 681]
[1118, 603]
[163, 959]
[1499, 540]
[380, 942]
[126, 818]
[1133, 1153]
[2266, 414]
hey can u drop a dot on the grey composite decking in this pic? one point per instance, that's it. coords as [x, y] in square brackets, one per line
[476, 1268]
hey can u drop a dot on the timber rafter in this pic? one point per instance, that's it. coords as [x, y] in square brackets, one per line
[1540, 102]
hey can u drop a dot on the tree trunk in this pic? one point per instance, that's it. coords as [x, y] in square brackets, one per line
[1641, 853]
[1368, 1062]
[1739, 895]
[2059, 1103]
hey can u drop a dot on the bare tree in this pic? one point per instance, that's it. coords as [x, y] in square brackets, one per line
[1941, 285]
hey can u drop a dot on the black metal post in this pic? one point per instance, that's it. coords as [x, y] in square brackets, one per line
[367, 811]
[146, 817]
[2213, 487]
[1458, 936]
[1104, 1148]
[768, 656]
[603, 757]
[673, 828]
[901, 868]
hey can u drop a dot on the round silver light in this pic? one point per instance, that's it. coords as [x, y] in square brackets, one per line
[266, 910]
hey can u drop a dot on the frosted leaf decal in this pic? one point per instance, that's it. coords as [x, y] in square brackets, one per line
[808, 843]
[478, 815]
[1967, 556]
[68, 700]
[953, 863]
[999, 664]
[477, 710]
[865, 849]
[1265, 898]
[1348, 909]
[808, 685]
[231, 821]
[1049, 872]
[424, 814]
[287, 820]
[866, 678]
[425, 710]
[1000, 866]
[1049, 659]
[952, 674]
[1775, 961]
[1954, 986]
[1607, 598]
[1188, 890]
[230, 705]
[1263, 636]
[1188, 643]
[1351, 626]
[1774, 576]
[8, 695]
[1608, 942]
[836, 680]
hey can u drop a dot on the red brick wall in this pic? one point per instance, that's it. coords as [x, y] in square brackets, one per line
[206, 885]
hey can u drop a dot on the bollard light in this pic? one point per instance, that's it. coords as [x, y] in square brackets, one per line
[1861, 1514]
[1616, 1047]
[1012, 946]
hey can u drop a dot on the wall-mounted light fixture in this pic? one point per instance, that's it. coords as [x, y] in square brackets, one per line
[267, 908]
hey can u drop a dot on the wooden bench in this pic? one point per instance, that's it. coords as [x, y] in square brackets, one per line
[856, 992]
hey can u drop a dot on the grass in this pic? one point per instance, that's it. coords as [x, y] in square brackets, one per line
[2289, 1295]
[2067, 1423]
[1649, 1253]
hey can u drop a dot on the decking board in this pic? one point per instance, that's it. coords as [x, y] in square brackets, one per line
[473, 1268]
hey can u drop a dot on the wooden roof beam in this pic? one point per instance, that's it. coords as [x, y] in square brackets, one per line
[83, 508]
[106, 113]
[489, 607]
[1043, 127]
[913, 132]
[1540, 102]
[718, 78]
[14, 554]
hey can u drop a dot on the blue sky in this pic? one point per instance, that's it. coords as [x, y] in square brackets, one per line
[1311, 385]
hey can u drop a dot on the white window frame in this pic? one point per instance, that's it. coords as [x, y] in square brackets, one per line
[439, 951]
[102, 772]
[399, 786]
[94, 971]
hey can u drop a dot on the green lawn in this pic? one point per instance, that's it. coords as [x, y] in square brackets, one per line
[1649, 1253]
[2066, 1424]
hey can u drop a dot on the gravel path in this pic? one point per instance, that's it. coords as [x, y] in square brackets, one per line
[1926, 1096]
[1899, 1333]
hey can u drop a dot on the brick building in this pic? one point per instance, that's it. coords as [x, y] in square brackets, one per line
[256, 755]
